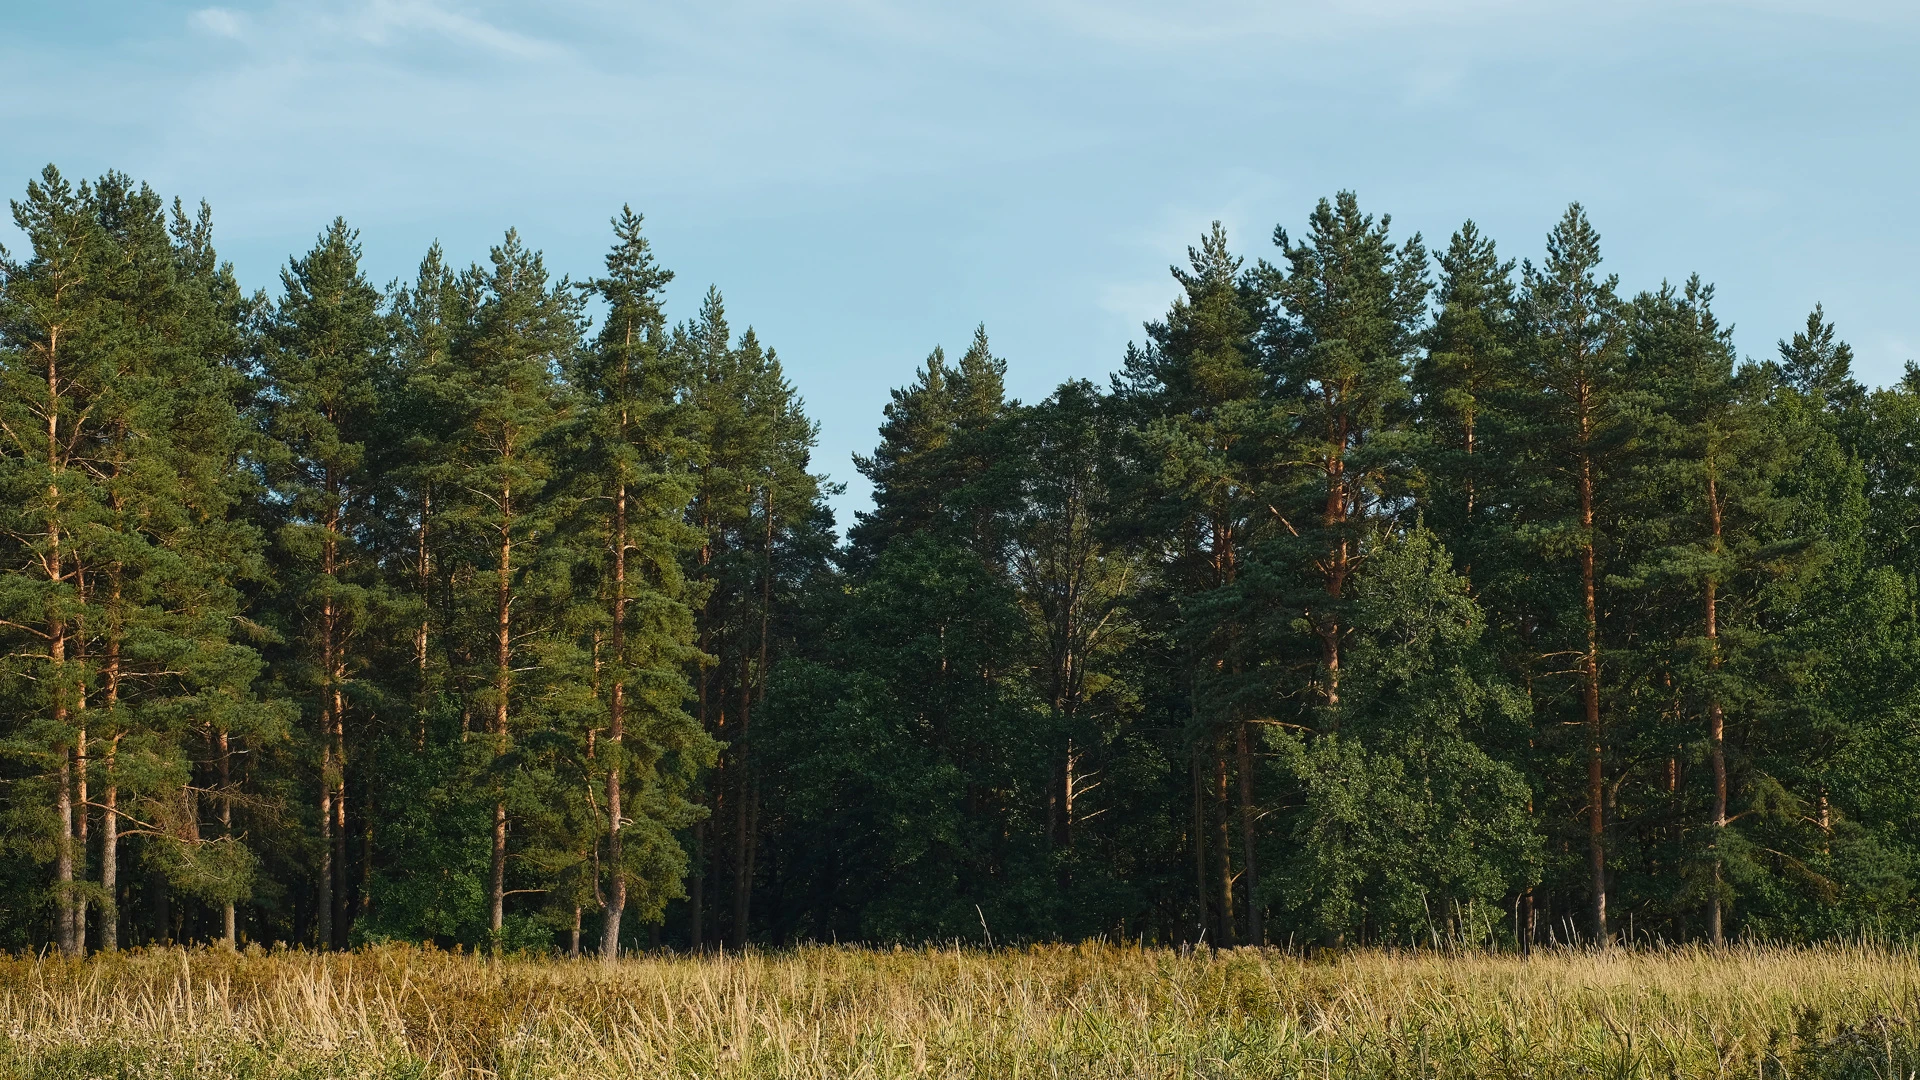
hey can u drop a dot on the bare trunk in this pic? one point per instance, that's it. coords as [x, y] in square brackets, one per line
[616, 730]
[503, 676]
[1222, 844]
[82, 808]
[81, 812]
[336, 677]
[1199, 851]
[1338, 566]
[1468, 422]
[343, 888]
[110, 863]
[323, 905]
[323, 893]
[1256, 933]
[109, 817]
[1590, 693]
[63, 854]
[701, 829]
[226, 826]
[57, 660]
[697, 894]
[1716, 725]
[424, 569]
[1068, 793]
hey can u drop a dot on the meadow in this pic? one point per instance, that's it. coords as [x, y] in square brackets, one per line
[1045, 1011]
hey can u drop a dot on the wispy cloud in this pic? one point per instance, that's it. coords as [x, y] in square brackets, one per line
[386, 21]
[306, 28]
[220, 22]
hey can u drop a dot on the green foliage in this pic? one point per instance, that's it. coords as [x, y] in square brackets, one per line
[1366, 604]
[1408, 823]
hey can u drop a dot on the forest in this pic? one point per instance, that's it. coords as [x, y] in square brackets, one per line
[1383, 595]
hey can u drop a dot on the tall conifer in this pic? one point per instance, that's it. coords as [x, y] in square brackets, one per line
[323, 349]
[501, 391]
[640, 481]
[1573, 370]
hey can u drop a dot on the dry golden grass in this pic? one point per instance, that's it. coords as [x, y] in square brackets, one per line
[1055, 1011]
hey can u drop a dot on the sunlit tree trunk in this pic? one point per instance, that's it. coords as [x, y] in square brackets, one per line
[616, 721]
[503, 676]
[1590, 688]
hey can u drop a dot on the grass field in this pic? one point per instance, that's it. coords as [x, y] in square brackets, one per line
[1060, 1011]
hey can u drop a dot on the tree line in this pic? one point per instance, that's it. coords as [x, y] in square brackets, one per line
[1381, 596]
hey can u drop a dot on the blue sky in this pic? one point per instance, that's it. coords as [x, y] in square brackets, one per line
[866, 179]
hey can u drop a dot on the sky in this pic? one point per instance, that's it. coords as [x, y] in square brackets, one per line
[864, 180]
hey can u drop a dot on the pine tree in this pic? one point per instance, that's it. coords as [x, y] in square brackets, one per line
[1197, 392]
[754, 506]
[323, 350]
[1572, 369]
[905, 469]
[1713, 469]
[122, 343]
[1354, 304]
[500, 387]
[1074, 585]
[638, 474]
[59, 336]
[1464, 374]
[1818, 365]
[203, 686]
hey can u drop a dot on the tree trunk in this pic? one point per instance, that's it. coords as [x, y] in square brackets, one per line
[81, 812]
[1222, 844]
[323, 889]
[742, 835]
[336, 677]
[1199, 851]
[747, 800]
[82, 807]
[110, 813]
[1590, 692]
[63, 797]
[363, 891]
[1256, 933]
[57, 660]
[424, 569]
[1716, 723]
[1467, 422]
[225, 750]
[1339, 564]
[503, 675]
[697, 892]
[343, 887]
[323, 905]
[616, 719]
[110, 862]
[63, 853]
